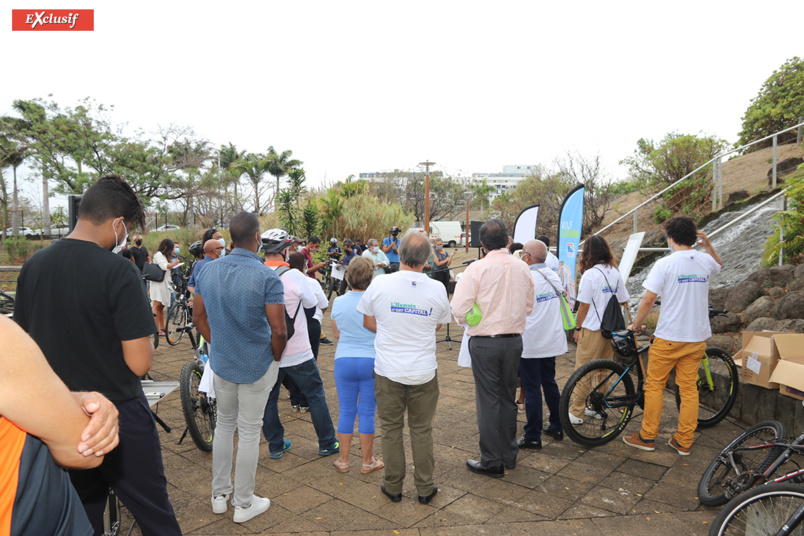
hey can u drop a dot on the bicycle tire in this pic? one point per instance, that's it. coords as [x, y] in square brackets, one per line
[584, 383]
[155, 339]
[719, 483]
[177, 318]
[199, 410]
[716, 403]
[6, 304]
[762, 511]
[331, 287]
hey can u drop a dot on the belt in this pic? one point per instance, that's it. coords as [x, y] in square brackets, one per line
[504, 335]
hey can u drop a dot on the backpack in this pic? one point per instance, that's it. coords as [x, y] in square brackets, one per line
[289, 322]
[613, 314]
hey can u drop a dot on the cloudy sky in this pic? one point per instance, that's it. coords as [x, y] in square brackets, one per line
[366, 86]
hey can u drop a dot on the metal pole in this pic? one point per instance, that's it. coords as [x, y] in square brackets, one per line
[427, 165]
[775, 139]
[781, 231]
[798, 132]
[714, 185]
[635, 220]
[466, 234]
[720, 182]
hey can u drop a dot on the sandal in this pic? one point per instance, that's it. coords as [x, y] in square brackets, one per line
[373, 466]
[342, 467]
[161, 333]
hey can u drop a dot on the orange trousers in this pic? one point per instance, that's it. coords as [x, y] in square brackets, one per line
[685, 358]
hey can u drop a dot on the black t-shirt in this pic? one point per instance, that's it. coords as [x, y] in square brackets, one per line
[140, 255]
[78, 301]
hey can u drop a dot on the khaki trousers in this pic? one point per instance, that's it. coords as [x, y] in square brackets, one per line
[591, 345]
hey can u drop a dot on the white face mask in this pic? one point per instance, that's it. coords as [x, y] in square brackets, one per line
[374, 249]
[118, 247]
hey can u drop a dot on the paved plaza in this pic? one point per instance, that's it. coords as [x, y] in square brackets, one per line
[562, 489]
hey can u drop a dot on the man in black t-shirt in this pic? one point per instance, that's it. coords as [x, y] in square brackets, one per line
[87, 310]
[140, 253]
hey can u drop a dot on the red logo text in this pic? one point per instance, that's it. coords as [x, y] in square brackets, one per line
[52, 20]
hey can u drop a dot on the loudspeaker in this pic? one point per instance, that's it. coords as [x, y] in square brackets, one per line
[474, 235]
[72, 209]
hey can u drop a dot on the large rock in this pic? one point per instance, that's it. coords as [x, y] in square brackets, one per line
[799, 271]
[788, 165]
[762, 324]
[729, 342]
[729, 323]
[790, 306]
[796, 284]
[654, 239]
[763, 306]
[717, 297]
[777, 292]
[792, 325]
[742, 295]
[777, 276]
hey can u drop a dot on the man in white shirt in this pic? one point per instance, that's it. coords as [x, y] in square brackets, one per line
[297, 360]
[682, 279]
[543, 339]
[406, 309]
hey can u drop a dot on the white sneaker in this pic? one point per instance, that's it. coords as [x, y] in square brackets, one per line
[220, 503]
[592, 413]
[258, 506]
[574, 420]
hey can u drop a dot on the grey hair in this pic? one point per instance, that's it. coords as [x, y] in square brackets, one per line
[415, 250]
[537, 249]
[372, 241]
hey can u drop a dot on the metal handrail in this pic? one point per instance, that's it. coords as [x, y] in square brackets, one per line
[718, 156]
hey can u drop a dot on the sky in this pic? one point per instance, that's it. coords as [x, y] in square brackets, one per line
[355, 87]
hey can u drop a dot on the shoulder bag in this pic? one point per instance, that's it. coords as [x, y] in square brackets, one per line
[567, 318]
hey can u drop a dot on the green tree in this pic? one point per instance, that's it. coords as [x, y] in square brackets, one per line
[541, 187]
[280, 163]
[254, 166]
[791, 221]
[291, 214]
[597, 197]
[310, 218]
[779, 105]
[481, 193]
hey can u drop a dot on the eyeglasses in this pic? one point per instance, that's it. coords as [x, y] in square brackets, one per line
[219, 249]
[526, 253]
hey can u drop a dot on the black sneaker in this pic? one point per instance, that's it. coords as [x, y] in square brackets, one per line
[326, 341]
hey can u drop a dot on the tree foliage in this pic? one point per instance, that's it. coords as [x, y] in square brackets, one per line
[779, 105]
[791, 222]
[408, 187]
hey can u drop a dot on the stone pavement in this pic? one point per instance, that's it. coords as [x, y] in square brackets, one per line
[562, 489]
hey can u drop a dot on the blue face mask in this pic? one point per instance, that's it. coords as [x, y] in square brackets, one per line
[176, 250]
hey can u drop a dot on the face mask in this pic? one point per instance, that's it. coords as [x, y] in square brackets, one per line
[118, 246]
[439, 248]
[374, 249]
[138, 242]
[176, 250]
[223, 242]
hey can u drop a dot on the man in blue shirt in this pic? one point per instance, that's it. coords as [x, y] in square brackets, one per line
[213, 249]
[390, 246]
[239, 309]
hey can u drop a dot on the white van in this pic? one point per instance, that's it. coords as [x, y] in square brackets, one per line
[448, 231]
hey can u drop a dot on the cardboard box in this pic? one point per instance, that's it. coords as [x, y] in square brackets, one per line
[759, 357]
[789, 371]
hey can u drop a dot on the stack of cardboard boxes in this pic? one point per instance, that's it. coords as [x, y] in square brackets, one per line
[773, 360]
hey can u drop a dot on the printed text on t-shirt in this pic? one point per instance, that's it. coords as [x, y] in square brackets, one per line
[410, 309]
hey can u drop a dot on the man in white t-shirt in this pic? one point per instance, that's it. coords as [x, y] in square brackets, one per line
[682, 279]
[406, 309]
[297, 360]
[543, 339]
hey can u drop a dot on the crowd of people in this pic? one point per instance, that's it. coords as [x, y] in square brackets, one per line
[259, 305]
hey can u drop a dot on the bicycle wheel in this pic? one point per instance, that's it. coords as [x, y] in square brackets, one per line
[763, 510]
[6, 304]
[177, 318]
[332, 286]
[715, 401]
[199, 409]
[602, 387]
[723, 480]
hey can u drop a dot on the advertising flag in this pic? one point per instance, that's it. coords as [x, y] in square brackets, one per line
[569, 237]
[525, 225]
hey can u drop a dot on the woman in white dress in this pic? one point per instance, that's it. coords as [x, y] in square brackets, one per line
[160, 292]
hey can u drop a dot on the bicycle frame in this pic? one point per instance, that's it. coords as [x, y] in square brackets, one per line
[796, 447]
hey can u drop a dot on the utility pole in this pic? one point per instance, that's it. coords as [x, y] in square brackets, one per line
[427, 165]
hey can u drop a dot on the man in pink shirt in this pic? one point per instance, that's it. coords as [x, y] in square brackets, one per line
[502, 288]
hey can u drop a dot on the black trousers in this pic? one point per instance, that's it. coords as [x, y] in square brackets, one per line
[495, 364]
[134, 471]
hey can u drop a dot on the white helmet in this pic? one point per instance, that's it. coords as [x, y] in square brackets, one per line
[275, 241]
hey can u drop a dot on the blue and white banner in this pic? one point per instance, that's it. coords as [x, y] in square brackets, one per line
[569, 238]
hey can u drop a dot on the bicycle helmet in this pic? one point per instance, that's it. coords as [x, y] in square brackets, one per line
[333, 241]
[197, 249]
[394, 230]
[275, 241]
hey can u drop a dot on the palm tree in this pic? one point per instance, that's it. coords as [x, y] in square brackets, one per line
[280, 164]
[227, 156]
[482, 192]
[255, 166]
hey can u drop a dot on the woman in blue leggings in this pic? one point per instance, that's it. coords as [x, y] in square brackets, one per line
[354, 367]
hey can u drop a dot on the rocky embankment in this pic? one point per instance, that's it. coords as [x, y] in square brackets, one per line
[768, 299]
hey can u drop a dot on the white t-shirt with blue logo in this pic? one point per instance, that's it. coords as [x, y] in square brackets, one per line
[595, 288]
[682, 280]
[407, 306]
[544, 334]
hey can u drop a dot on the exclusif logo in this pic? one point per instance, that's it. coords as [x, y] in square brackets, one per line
[52, 20]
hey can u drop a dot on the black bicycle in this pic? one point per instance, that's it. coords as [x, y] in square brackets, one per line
[179, 314]
[774, 509]
[605, 392]
[331, 285]
[754, 458]
[6, 303]
[200, 409]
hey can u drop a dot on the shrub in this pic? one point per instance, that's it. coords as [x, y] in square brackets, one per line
[792, 222]
[19, 248]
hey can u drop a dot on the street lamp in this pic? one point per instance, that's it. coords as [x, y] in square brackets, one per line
[427, 165]
[468, 194]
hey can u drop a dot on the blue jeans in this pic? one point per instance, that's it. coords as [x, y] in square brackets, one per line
[354, 378]
[307, 377]
[537, 374]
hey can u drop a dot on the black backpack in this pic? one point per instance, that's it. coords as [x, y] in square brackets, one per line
[613, 314]
[290, 322]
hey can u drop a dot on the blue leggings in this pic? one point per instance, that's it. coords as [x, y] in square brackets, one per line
[354, 378]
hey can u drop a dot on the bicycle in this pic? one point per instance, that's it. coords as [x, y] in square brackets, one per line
[179, 314]
[200, 410]
[6, 303]
[331, 284]
[607, 390]
[750, 460]
[774, 509]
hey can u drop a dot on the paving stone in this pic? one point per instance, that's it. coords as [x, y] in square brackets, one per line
[337, 514]
[584, 511]
[465, 530]
[543, 462]
[300, 499]
[643, 469]
[584, 472]
[674, 495]
[543, 503]
[467, 510]
[618, 501]
[574, 527]
[565, 488]
[627, 483]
